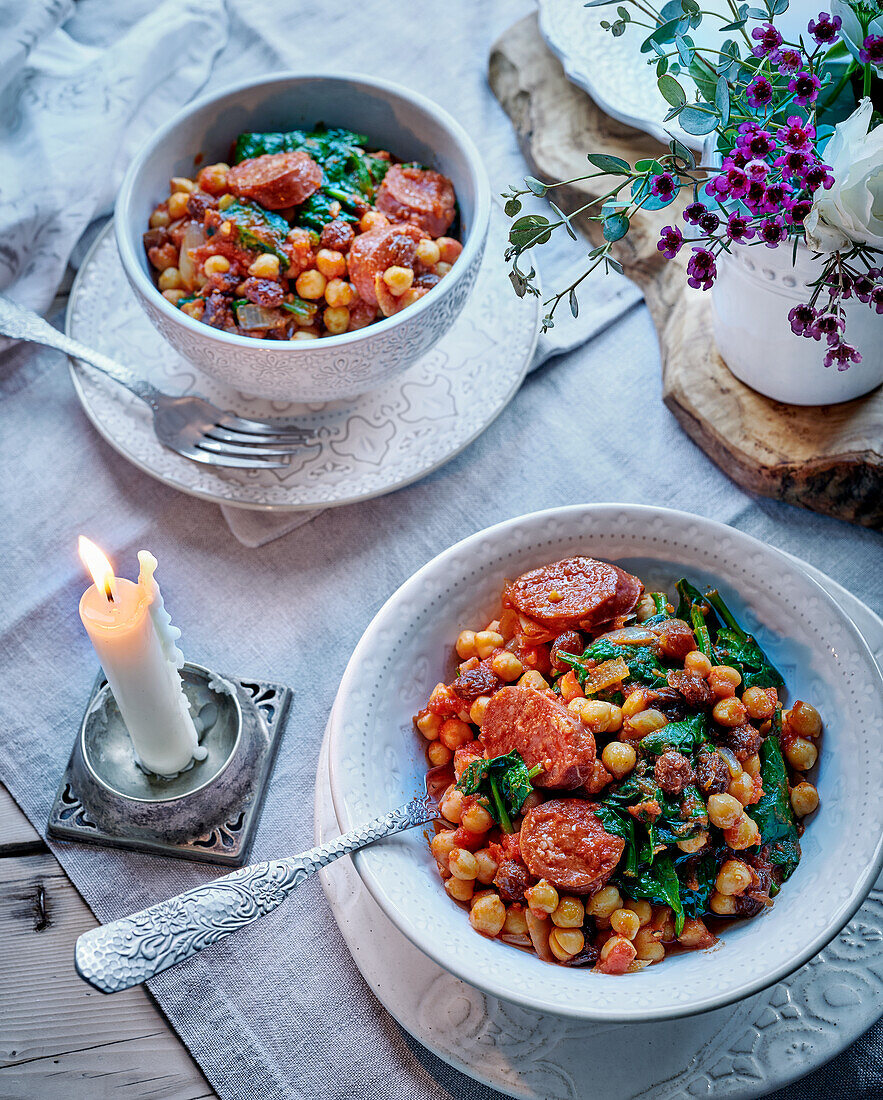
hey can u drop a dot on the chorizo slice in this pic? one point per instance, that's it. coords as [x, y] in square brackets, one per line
[373, 252]
[544, 732]
[419, 196]
[564, 842]
[276, 180]
[574, 593]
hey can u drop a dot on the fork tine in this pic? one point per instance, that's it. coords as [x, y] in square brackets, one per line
[262, 427]
[225, 435]
[208, 458]
[253, 451]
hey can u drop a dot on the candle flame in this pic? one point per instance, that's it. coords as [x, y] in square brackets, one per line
[96, 561]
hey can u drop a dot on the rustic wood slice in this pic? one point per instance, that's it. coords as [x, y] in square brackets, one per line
[827, 458]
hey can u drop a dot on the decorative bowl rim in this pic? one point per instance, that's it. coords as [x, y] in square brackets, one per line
[475, 237]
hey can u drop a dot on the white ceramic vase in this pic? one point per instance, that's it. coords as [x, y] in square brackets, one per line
[756, 288]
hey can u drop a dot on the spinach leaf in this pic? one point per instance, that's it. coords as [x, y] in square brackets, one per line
[773, 814]
[250, 145]
[619, 822]
[685, 736]
[257, 228]
[734, 647]
[691, 609]
[643, 663]
[696, 878]
[504, 781]
[681, 820]
[659, 883]
[317, 212]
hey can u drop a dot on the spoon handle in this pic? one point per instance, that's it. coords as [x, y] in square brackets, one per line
[127, 952]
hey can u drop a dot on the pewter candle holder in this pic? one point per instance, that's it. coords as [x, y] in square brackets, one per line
[208, 812]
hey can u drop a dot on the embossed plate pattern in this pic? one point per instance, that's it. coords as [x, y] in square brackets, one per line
[739, 1053]
[375, 761]
[365, 447]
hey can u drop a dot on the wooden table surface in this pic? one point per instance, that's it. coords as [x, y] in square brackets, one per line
[58, 1036]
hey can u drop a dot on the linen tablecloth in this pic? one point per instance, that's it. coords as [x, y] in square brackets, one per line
[279, 1010]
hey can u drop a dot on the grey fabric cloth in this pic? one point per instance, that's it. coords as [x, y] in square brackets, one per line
[280, 1010]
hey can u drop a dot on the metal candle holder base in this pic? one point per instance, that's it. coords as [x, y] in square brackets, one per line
[208, 812]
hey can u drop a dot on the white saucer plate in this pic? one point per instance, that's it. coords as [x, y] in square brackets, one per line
[364, 447]
[739, 1052]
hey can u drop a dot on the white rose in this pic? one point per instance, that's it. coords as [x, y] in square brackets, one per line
[852, 211]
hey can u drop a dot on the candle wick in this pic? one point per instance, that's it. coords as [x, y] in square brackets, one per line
[108, 591]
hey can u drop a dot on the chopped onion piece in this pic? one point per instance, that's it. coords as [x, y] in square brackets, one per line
[194, 236]
[730, 759]
[252, 317]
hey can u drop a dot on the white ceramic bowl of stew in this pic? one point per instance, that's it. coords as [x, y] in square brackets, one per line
[404, 122]
[378, 761]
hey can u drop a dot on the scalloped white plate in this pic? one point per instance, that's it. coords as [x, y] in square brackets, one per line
[739, 1053]
[376, 763]
[364, 447]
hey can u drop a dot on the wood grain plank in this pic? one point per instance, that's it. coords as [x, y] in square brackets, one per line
[17, 835]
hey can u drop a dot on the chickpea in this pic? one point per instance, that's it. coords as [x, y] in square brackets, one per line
[462, 863]
[624, 922]
[439, 754]
[533, 679]
[331, 263]
[804, 799]
[429, 724]
[338, 293]
[604, 902]
[193, 309]
[486, 641]
[398, 279]
[170, 279]
[181, 183]
[476, 819]
[729, 712]
[722, 904]
[595, 713]
[373, 219]
[801, 754]
[455, 732]
[452, 805]
[460, 889]
[174, 296]
[742, 788]
[759, 703]
[724, 810]
[542, 899]
[615, 722]
[428, 252]
[744, 834]
[647, 945]
[734, 877]
[488, 915]
[566, 942]
[213, 178]
[642, 909]
[723, 680]
[449, 249]
[310, 284]
[619, 758]
[178, 204]
[507, 666]
[442, 844]
[487, 865]
[225, 201]
[441, 269]
[266, 266]
[646, 721]
[305, 334]
[159, 219]
[751, 764]
[516, 921]
[634, 703]
[337, 319]
[216, 265]
[694, 934]
[694, 843]
[465, 644]
[697, 663]
[804, 720]
[476, 711]
[569, 913]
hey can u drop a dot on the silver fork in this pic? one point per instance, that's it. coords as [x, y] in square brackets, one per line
[127, 952]
[190, 425]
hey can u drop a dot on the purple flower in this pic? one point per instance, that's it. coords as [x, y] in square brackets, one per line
[863, 287]
[792, 162]
[739, 228]
[757, 169]
[796, 210]
[670, 241]
[701, 269]
[758, 143]
[664, 186]
[797, 135]
[773, 232]
[768, 39]
[802, 318]
[775, 197]
[805, 87]
[842, 354]
[872, 50]
[694, 212]
[736, 182]
[709, 222]
[787, 59]
[818, 175]
[877, 298]
[760, 92]
[754, 196]
[830, 326]
[825, 30]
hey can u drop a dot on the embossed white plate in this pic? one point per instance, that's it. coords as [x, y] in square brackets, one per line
[364, 447]
[739, 1053]
[376, 762]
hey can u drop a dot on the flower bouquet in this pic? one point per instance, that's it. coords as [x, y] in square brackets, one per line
[793, 157]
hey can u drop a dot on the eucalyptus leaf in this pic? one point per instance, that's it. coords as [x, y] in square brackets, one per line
[722, 100]
[537, 186]
[614, 166]
[615, 228]
[671, 91]
[573, 302]
[698, 122]
[512, 207]
[528, 231]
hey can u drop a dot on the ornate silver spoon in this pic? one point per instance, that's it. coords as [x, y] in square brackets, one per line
[127, 952]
